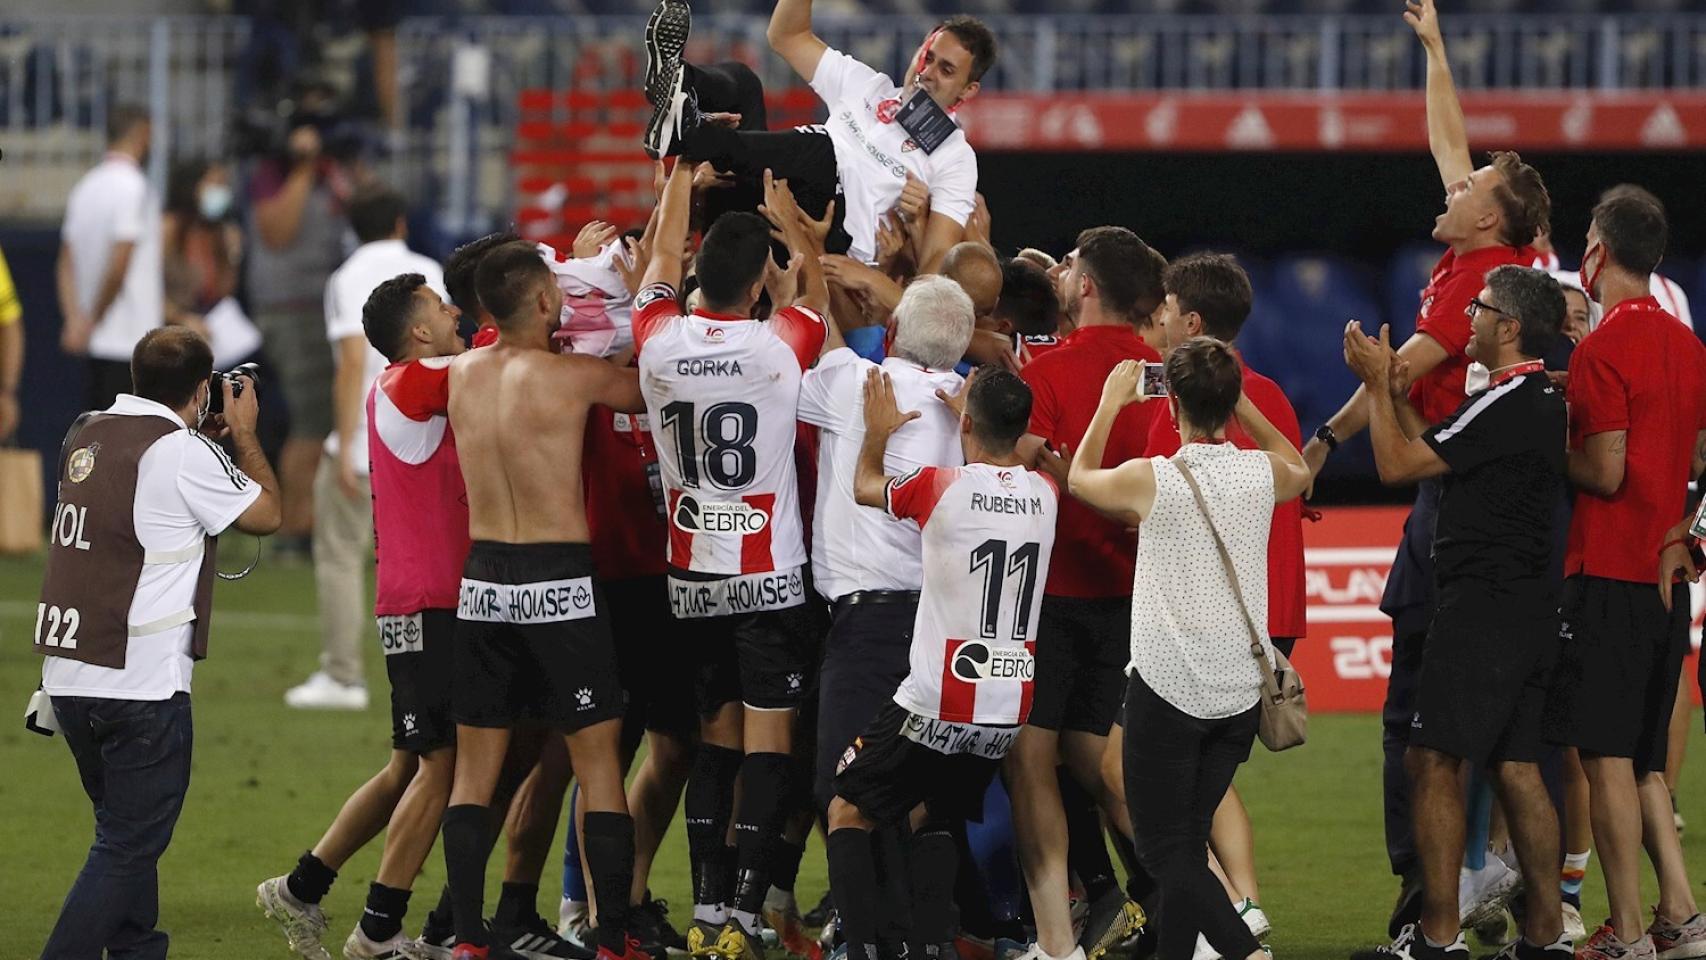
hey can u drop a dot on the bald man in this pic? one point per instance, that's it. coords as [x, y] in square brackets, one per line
[978, 272]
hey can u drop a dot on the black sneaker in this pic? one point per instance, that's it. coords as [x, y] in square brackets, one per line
[1112, 919]
[666, 38]
[1520, 949]
[1409, 944]
[534, 939]
[1407, 909]
[649, 924]
[819, 915]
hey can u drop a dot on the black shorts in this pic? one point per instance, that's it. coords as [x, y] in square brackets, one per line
[1486, 668]
[766, 659]
[866, 657]
[888, 770]
[419, 662]
[1083, 646]
[1619, 661]
[533, 639]
[653, 654]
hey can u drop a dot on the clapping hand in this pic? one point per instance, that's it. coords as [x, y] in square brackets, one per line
[1368, 358]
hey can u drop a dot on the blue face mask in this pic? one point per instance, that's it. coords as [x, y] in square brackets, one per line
[215, 201]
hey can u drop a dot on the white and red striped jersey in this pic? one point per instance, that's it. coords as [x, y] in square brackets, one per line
[721, 394]
[988, 533]
[420, 505]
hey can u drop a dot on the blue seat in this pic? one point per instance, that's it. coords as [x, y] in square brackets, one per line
[1313, 297]
[1406, 276]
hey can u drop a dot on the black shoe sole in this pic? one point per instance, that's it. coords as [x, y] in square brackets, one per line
[666, 38]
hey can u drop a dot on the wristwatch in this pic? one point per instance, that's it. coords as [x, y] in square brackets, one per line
[1326, 435]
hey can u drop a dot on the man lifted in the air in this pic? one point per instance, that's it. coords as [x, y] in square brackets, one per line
[882, 147]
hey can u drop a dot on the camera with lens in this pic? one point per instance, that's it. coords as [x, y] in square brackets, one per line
[236, 377]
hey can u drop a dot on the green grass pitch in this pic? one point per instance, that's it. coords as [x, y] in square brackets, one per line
[267, 780]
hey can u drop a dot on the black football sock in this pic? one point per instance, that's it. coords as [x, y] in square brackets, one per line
[785, 864]
[467, 844]
[608, 839]
[441, 916]
[853, 877]
[1086, 851]
[932, 864]
[382, 918]
[310, 880]
[516, 902]
[708, 805]
[763, 810]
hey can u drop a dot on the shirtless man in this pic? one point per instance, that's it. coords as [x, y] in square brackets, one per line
[531, 634]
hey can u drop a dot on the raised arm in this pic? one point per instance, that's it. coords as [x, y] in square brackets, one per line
[882, 418]
[1129, 487]
[1421, 353]
[1447, 137]
[674, 207]
[790, 34]
[278, 218]
[1291, 477]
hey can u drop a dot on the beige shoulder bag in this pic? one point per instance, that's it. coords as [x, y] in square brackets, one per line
[1285, 710]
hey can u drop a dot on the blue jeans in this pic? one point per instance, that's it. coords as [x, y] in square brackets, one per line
[134, 759]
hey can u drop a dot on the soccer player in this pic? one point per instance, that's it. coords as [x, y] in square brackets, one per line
[421, 519]
[1637, 395]
[929, 755]
[1111, 285]
[863, 152]
[1489, 646]
[721, 391]
[532, 634]
[1491, 214]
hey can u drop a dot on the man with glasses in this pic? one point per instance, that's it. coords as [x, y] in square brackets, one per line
[1499, 460]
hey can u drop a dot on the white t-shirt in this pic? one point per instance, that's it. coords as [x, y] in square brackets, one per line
[988, 536]
[111, 205]
[598, 310]
[347, 291]
[186, 489]
[1189, 642]
[873, 157]
[855, 547]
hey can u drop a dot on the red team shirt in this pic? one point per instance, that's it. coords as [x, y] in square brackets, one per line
[1642, 371]
[420, 506]
[1098, 555]
[623, 511]
[1456, 279]
[988, 532]
[1286, 591]
[721, 394]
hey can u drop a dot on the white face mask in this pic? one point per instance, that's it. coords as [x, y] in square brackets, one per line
[1477, 378]
[215, 201]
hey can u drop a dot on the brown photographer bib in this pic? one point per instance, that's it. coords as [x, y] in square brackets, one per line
[94, 558]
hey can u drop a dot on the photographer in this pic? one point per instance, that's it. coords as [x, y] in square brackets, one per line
[296, 195]
[124, 615]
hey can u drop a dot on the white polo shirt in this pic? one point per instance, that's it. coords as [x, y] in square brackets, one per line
[186, 489]
[347, 291]
[873, 157]
[861, 548]
[111, 204]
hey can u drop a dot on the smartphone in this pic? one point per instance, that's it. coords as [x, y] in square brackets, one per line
[1697, 529]
[1154, 380]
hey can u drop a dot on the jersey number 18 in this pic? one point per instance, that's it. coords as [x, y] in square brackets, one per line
[729, 429]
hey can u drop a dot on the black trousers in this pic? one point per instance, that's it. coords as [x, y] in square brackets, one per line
[804, 157]
[1409, 601]
[1177, 769]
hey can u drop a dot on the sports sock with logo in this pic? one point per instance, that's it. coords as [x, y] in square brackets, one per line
[467, 844]
[516, 902]
[764, 781]
[708, 806]
[382, 918]
[853, 877]
[609, 840]
[310, 880]
[1570, 880]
